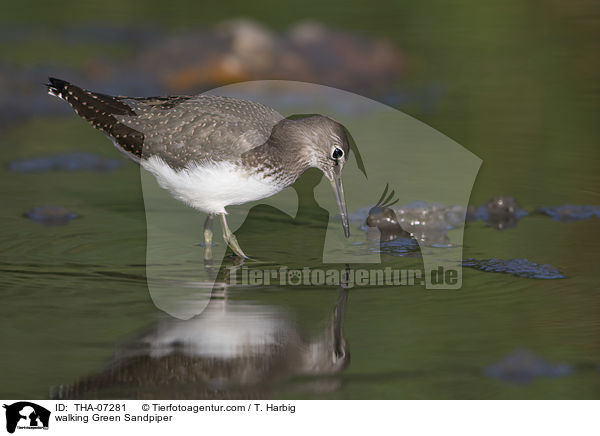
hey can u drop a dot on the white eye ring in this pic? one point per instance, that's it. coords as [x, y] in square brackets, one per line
[337, 153]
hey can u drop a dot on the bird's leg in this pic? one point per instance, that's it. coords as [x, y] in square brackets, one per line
[208, 234]
[230, 238]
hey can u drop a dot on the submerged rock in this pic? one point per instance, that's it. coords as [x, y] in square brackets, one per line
[51, 215]
[386, 221]
[72, 161]
[570, 212]
[501, 212]
[516, 267]
[429, 223]
[522, 366]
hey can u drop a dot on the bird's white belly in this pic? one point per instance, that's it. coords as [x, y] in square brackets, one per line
[210, 186]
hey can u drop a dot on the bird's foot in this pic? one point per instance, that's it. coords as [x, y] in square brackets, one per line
[234, 245]
[230, 238]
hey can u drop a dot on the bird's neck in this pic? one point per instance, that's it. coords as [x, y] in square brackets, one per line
[277, 160]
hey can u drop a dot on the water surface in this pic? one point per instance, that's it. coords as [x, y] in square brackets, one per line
[519, 90]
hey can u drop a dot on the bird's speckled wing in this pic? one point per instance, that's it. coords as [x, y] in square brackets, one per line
[181, 130]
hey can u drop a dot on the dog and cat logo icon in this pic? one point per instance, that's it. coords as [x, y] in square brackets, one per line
[26, 415]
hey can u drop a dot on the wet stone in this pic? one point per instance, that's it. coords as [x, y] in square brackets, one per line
[429, 223]
[517, 267]
[501, 212]
[570, 212]
[51, 215]
[522, 366]
[72, 161]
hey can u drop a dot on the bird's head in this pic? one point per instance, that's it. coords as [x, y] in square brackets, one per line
[323, 144]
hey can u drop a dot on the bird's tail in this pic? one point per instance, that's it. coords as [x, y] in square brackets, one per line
[57, 87]
[89, 105]
[102, 111]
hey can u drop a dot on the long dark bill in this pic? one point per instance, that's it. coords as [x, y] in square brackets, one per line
[338, 190]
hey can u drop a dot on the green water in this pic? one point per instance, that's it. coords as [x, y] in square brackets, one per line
[520, 90]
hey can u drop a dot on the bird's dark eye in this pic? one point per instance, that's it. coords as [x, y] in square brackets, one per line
[337, 153]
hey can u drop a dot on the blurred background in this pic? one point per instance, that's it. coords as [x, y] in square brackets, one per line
[516, 83]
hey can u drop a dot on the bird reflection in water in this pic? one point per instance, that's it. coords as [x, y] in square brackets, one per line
[233, 350]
